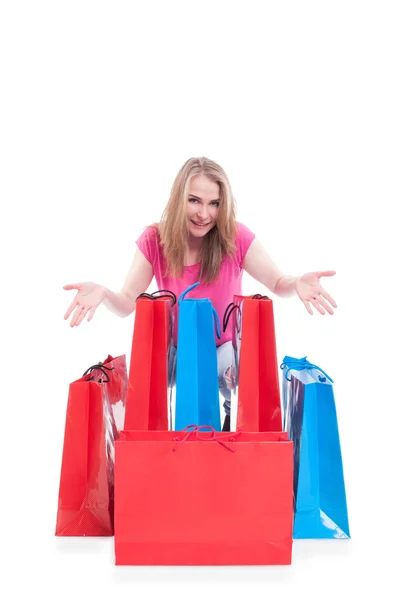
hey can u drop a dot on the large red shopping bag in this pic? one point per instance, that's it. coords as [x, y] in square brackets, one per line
[94, 418]
[203, 498]
[256, 366]
[149, 373]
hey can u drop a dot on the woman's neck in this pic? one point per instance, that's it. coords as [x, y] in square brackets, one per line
[194, 244]
[192, 255]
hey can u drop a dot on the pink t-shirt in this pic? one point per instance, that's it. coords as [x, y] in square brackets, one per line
[220, 292]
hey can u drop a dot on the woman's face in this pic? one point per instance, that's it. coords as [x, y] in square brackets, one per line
[203, 205]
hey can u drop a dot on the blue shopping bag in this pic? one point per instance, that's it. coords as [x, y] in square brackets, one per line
[197, 392]
[309, 417]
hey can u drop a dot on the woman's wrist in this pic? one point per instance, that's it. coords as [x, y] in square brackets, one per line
[286, 285]
[118, 303]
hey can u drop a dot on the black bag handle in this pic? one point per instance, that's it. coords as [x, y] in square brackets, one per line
[227, 314]
[164, 294]
[100, 367]
[232, 306]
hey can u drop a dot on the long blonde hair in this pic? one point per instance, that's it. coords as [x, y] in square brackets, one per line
[173, 227]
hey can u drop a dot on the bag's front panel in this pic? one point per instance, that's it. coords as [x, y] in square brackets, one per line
[202, 503]
[86, 495]
[187, 408]
[308, 499]
[248, 365]
[257, 392]
[140, 373]
[333, 504]
[159, 367]
[208, 396]
[100, 464]
[73, 479]
[270, 418]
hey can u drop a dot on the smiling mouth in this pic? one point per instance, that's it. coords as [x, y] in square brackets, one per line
[200, 224]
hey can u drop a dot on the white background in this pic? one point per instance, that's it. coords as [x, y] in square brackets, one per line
[101, 103]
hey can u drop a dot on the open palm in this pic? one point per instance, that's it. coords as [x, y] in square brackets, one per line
[312, 294]
[89, 296]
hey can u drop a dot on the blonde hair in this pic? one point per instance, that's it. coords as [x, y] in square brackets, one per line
[173, 226]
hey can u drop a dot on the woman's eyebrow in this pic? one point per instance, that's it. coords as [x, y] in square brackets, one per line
[197, 198]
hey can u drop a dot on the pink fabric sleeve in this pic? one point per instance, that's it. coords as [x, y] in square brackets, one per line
[243, 241]
[147, 242]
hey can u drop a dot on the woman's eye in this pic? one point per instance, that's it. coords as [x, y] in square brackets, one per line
[217, 204]
[192, 200]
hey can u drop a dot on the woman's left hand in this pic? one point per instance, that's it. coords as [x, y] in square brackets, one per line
[310, 292]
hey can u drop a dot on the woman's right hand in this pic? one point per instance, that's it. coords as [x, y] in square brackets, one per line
[89, 296]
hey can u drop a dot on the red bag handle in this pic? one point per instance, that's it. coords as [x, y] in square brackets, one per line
[196, 429]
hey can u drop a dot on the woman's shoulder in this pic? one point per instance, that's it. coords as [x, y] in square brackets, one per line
[148, 242]
[244, 237]
[150, 233]
[243, 233]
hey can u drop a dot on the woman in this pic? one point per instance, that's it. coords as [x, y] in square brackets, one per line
[199, 239]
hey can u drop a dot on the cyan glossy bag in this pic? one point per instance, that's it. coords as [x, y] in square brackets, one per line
[309, 417]
[197, 391]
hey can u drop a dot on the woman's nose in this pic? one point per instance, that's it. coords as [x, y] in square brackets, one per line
[203, 211]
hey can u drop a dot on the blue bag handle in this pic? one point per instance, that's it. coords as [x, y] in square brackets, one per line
[191, 287]
[300, 364]
[215, 315]
[217, 322]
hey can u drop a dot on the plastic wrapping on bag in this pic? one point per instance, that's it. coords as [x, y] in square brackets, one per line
[94, 418]
[231, 376]
[309, 418]
[114, 389]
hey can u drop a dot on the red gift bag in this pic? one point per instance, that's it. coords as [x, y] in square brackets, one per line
[203, 498]
[94, 418]
[146, 403]
[257, 373]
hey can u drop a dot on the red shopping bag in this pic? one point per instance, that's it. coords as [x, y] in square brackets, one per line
[146, 403]
[203, 498]
[94, 418]
[257, 374]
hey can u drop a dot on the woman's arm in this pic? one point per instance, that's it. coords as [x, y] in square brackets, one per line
[90, 295]
[137, 281]
[261, 267]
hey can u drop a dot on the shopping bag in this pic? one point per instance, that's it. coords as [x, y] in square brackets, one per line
[94, 418]
[197, 392]
[149, 383]
[256, 391]
[200, 497]
[309, 417]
